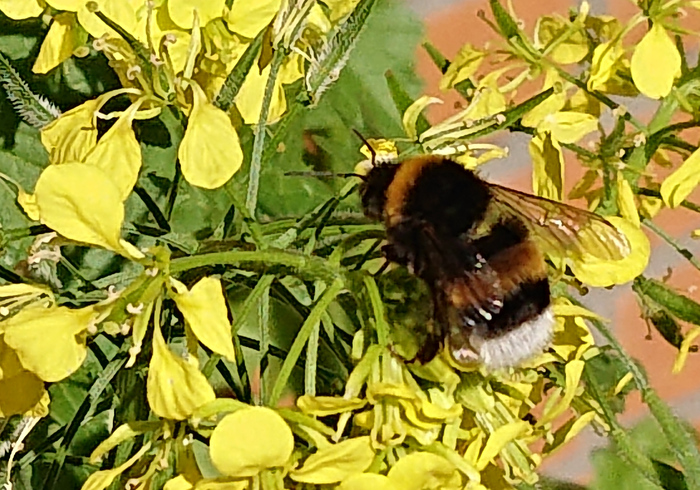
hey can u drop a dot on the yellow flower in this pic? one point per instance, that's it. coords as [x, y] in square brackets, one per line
[22, 9]
[210, 152]
[60, 42]
[73, 135]
[204, 309]
[248, 17]
[175, 387]
[250, 440]
[82, 203]
[49, 342]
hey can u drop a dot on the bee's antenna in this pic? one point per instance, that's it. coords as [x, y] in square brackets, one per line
[306, 173]
[369, 147]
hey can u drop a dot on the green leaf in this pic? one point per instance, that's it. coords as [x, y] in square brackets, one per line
[670, 477]
[681, 306]
[387, 43]
[35, 110]
[506, 23]
[334, 55]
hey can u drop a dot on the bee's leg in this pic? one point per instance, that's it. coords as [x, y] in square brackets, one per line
[436, 327]
[381, 270]
[426, 352]
[390, 254]
[429, 349]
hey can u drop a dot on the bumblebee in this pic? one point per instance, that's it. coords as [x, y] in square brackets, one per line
[479, 248]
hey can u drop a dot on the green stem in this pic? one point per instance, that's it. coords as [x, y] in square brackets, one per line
[304, 332]
[380, 323]
[681, 440]
[251, 201]
[253, 226]
[311, 361]
[687, 254]
[306, 266]
[265, 335]
[625, 445]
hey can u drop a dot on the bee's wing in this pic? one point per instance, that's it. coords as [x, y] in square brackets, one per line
[563, 229]
[448, 266]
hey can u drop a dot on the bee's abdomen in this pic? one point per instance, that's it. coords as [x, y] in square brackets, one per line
[510, 289]
[519, 305]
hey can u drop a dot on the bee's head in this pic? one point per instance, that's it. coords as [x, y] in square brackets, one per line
[377, 173]
[373, 189]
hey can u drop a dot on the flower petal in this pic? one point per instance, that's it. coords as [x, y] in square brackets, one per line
[204, 309]
[421, 470]
[248, 17]
[175, 387]
[49, 341]
[20, 390]
[23, 9]
[677, 186]
[568, 126]
[655, 63]
[547, 166]
[333, 464]
[463, 66]
[81, 203]
[607, 58]
[250, 97]
[68, 5]
[603, 273]
[73, 135]
[210, 152]
[118, 154]
[182, 11]
[249, 441]
[368, 481]
[122, 12]
[60, 42]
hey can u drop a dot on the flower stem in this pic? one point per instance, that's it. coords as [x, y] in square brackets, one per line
[687, 254]
[304, 332]
[251, 201]
[306, 266]
[681, 441]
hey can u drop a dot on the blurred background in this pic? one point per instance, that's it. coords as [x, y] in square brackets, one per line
[448, 24]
